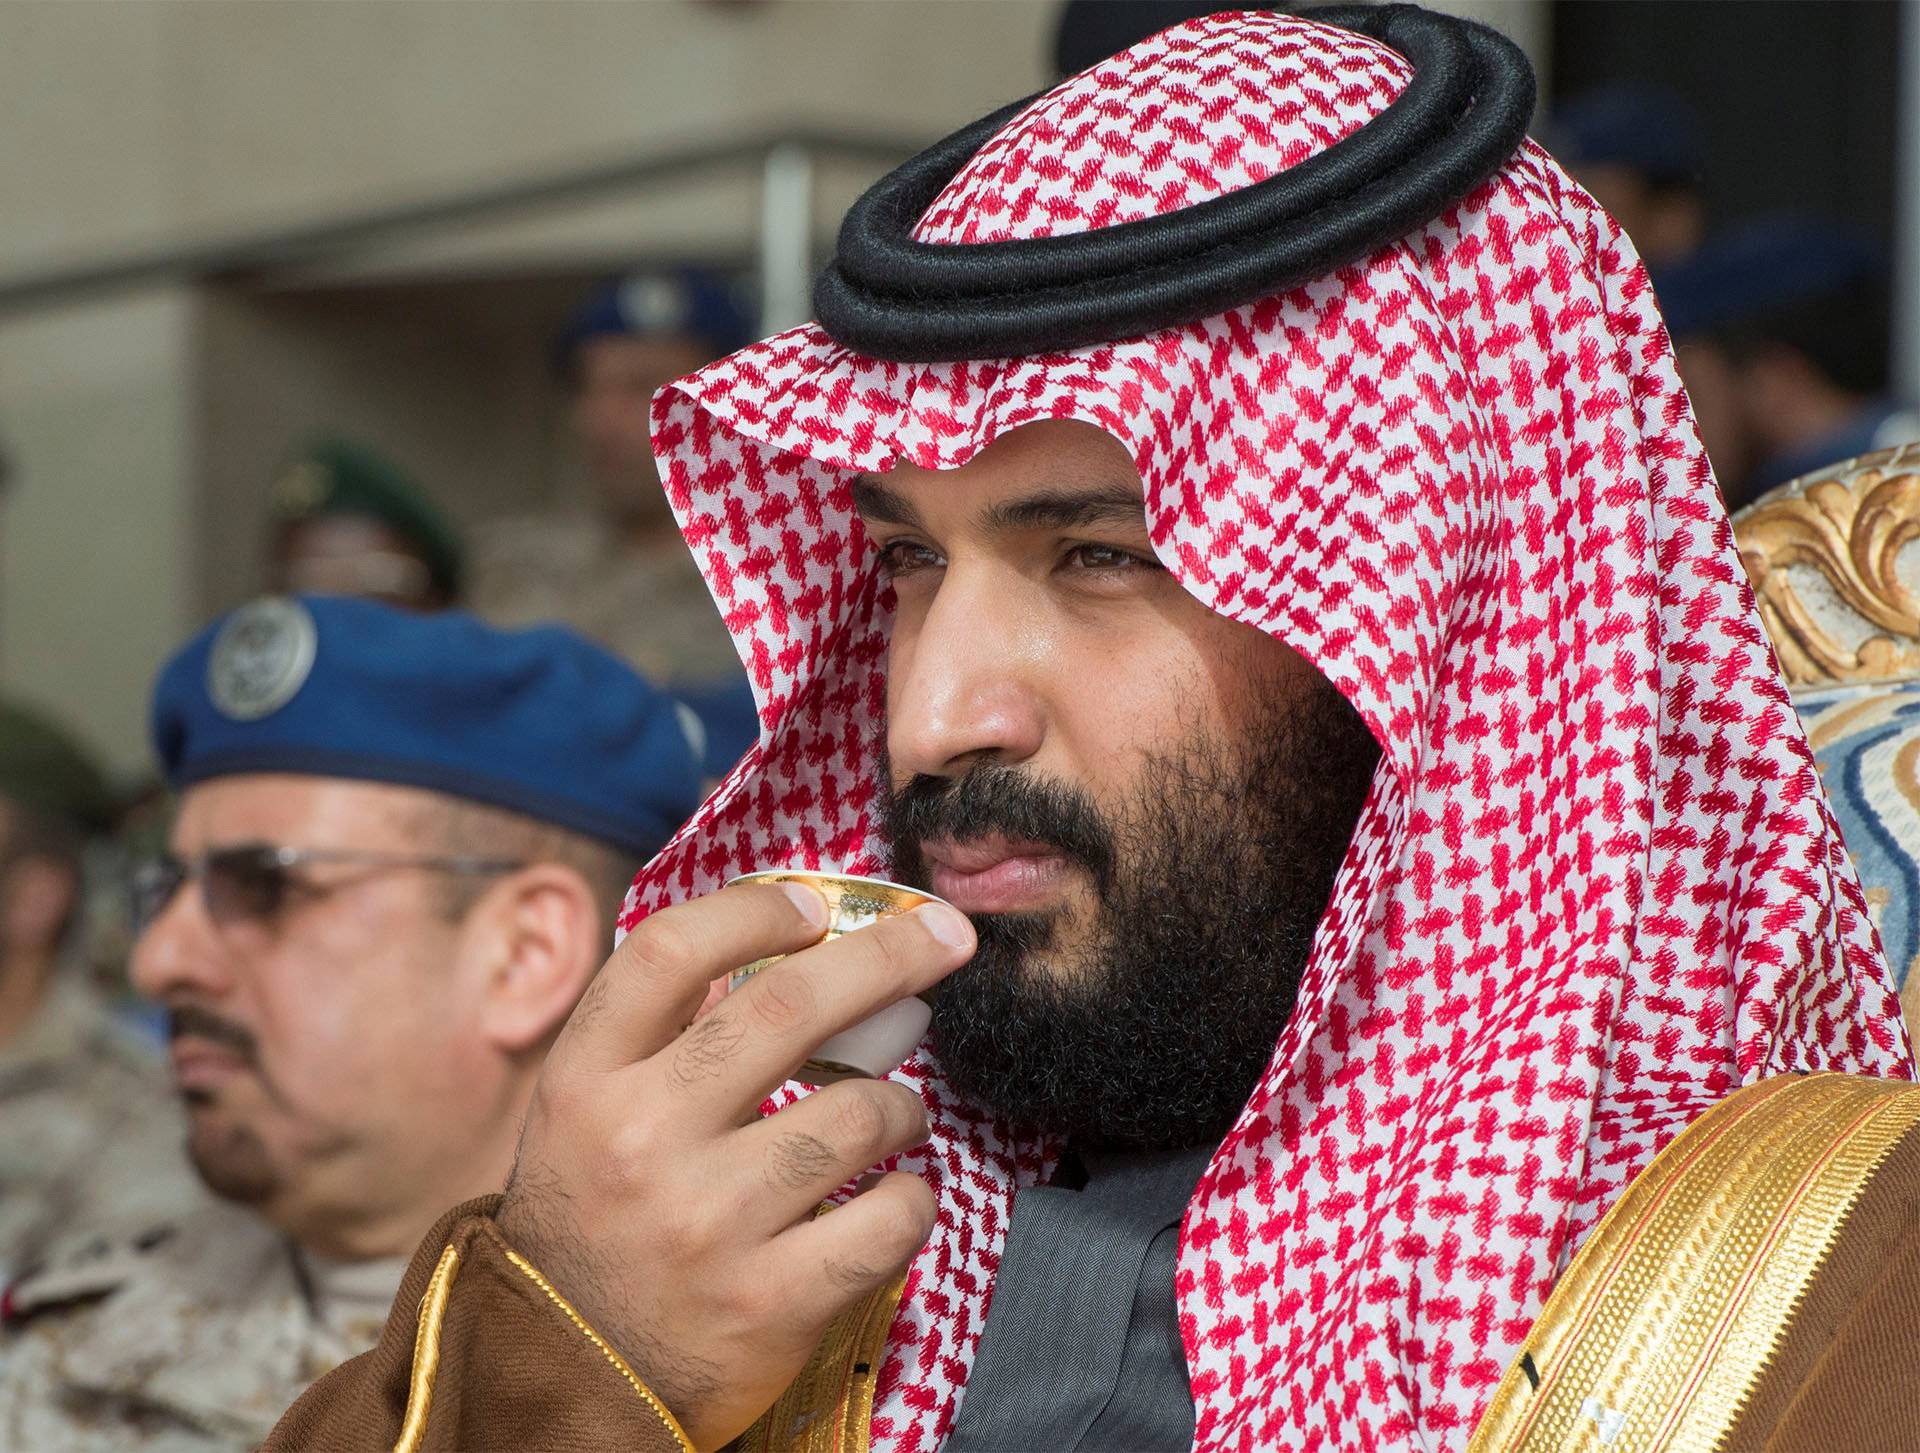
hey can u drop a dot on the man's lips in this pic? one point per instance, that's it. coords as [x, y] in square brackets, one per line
[200, 1064]
[995, 874]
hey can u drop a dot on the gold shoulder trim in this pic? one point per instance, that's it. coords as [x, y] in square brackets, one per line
[426, 1351]
[619, 1363]
[1662, 1326]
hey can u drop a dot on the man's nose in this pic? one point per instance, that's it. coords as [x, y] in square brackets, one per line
[179, 951]
[964, 683]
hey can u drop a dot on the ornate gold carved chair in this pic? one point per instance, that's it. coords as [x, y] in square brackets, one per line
[1834, 557]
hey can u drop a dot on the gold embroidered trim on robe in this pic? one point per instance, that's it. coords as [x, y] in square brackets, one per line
[1663, 1325]
[426, 1350]
[619, 1363]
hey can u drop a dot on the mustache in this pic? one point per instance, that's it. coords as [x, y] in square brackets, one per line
[190, 1019]
[999, 800]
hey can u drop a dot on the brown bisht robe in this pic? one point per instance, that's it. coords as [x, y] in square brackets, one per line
[1756, 1288]
[480, 1352]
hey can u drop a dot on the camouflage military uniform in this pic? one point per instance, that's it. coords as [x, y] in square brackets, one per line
[91, 1133]
[194, 1335]
[649, 606]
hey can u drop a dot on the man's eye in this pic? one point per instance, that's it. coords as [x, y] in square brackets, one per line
[903, 557]
[1106, 557]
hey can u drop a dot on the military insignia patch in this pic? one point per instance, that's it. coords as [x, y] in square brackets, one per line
[261, 658]
[654, 305]
[302, 489]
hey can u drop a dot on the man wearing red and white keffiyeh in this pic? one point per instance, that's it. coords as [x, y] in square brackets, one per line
[1347, 724]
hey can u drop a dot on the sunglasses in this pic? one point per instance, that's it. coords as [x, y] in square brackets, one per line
[254, 882]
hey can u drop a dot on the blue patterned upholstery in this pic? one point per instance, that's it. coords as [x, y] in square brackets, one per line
[1866, 740]
[1834, 558]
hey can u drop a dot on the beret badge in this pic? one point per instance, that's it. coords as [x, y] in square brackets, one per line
[302, 490]
[261, 658]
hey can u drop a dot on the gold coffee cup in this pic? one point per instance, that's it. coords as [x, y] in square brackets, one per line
[881, 1042]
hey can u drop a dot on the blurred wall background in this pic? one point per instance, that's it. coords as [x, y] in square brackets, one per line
[132, 127]
[330, 217]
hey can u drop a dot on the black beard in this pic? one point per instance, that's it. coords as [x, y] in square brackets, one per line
[1209, 885]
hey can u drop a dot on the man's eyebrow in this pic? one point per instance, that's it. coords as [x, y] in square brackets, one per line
[1107, 504]
[872, 500]
[1057, 509]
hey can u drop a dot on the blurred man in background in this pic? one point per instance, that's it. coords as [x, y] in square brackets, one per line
[1638, 150]
[88, 1132]
[348, 521]
[1782, 335]
[400, 847]
[623, 575]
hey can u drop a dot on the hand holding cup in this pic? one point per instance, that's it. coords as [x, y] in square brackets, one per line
[651, 1193]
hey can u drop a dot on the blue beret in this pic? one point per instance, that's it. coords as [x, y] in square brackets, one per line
[1762, 267]
[541, 722]
[1647, 128]
[689, 301]
[729, 719]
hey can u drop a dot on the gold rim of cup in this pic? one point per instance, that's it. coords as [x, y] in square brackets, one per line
[854, 902]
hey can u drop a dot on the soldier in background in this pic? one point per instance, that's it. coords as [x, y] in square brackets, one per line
[401, 843]
[623, 575]
[1782, 331]
[1639, 150]
[348, 521]
[88, 1132]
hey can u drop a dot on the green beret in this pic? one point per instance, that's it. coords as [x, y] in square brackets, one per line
[339, 477]
[45, 770]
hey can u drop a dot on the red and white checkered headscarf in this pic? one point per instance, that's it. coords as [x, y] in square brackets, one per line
[1596, 885]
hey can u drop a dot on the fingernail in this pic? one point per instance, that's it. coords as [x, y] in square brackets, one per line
[812, 906]
[947, 925]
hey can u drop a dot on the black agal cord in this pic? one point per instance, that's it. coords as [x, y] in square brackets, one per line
[1453, 126]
